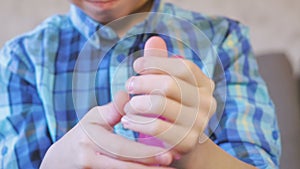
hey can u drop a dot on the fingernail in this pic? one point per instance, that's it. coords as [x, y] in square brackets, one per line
[164, 159]
[177, 156]
[125, 122]
[130, 85]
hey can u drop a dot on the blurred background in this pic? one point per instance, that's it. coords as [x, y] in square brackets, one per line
[275, 35]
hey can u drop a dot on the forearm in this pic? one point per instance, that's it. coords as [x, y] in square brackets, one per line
[209, 156]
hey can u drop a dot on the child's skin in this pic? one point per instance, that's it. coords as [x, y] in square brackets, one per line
[76, 150]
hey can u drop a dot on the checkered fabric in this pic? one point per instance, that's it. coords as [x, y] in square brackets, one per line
[50, 77]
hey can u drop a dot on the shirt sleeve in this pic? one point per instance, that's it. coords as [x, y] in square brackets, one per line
[24, 137]
[248, 128]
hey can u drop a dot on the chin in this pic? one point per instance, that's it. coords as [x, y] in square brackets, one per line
[103, 16]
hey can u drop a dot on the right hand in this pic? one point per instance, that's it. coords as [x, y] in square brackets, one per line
[76, 149]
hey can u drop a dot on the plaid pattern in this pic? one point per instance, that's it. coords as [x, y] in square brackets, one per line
[45, 78]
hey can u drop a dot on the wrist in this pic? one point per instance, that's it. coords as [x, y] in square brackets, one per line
[208, 155]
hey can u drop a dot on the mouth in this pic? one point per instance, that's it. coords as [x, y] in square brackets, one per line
[103, 4]
[101, 1]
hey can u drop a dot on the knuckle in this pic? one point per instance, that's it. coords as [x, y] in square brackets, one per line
[206, 111]
[213, 107]
[155, 127]
[202, 122]
[190, 67]
[84, 142]
[95, 110]
[212, 104]
[137, 103]
[139, 82]
[207, 102]
[157, 103]
[84, 160]
[135, 100]
[168, 84]
[189, 64]
[189, 142]
[139, 64]
[212, 85]
[193, 137]
[90, 114]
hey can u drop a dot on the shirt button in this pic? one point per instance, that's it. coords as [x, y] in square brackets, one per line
[121, 58]
[275, 135]
[4, 150]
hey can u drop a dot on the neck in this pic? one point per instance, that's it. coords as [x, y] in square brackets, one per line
[122, 25]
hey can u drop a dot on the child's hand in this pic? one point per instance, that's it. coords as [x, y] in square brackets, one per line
[172, 88]
[92, 144]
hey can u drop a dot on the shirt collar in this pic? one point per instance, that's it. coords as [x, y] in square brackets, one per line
[89, 27]
[84, 24]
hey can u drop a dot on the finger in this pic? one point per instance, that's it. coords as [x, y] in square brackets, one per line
[147, 125]
[134, 151]
[103, 162]
[98, 123]
[155, 47]
[177, 136]
[113, 145]
[180, 68]
[159, 106]
[164, 85]
[119, 101]
[108, 115]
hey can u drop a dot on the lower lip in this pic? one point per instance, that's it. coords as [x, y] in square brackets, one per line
[102, 3]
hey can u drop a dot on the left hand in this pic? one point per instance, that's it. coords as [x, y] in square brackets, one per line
[172, 88]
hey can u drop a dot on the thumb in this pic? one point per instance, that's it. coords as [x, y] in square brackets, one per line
[110, 114]
[155, 46]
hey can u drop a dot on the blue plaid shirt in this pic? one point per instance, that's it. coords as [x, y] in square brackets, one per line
[37, 73]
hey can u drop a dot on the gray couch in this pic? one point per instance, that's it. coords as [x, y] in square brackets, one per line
[284, 90]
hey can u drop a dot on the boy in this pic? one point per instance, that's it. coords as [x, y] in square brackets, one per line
[39, 127]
